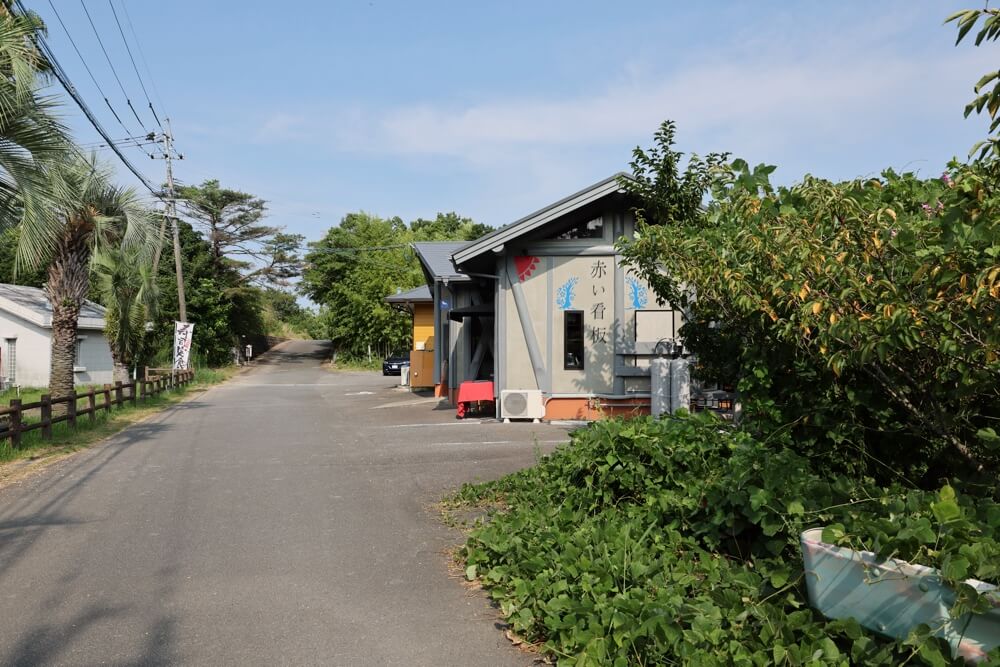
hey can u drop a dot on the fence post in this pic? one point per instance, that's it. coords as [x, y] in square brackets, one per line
[46, 416]
[119, 395]
[92, 404]
[133, 386]
[15, 423]
[107, 398]
[71, 410]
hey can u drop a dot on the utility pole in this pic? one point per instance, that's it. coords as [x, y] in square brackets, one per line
[171, 213]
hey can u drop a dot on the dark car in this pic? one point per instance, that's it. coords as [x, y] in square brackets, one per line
[393, 363]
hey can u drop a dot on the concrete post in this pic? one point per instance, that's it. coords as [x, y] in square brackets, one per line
[659, 386]
[680, 384]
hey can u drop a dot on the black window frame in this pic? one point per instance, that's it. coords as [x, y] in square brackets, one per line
[578, 343]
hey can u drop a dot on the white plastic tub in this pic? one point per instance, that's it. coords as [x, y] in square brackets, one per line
[892, 597]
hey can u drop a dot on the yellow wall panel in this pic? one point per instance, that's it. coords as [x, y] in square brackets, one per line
[423, 325]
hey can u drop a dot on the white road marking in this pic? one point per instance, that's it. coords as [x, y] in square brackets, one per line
[418, 401]
[285, 384]
[464, 422]
[360, 393]
[502, 442]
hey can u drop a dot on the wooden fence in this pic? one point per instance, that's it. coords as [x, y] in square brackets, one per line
[104, 399]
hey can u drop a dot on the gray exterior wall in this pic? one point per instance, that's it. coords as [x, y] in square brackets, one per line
[620, 314]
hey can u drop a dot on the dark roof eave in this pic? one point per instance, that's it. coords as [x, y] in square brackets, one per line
[539, 218]
[437, 272]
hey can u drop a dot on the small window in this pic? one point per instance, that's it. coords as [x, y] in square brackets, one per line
[78, 366]
[11, 365]
[573, 339]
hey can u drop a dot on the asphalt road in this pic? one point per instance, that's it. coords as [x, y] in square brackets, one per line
[279, 519]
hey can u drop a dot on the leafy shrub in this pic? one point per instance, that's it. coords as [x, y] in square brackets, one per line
[857, 314]
[677, 540]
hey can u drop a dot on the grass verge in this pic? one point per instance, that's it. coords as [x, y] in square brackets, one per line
[355, 365]
[66, 440]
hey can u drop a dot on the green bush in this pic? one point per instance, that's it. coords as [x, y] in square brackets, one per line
[677, 540]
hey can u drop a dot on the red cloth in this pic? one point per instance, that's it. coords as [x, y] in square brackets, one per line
[478, 390]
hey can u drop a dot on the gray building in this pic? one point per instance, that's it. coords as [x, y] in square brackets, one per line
[546, 309]
[26, 340]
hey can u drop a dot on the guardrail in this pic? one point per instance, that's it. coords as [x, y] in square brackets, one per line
[18, 415]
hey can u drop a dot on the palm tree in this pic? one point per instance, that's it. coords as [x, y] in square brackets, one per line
[128, 292]
[88, 215]
[30, 135]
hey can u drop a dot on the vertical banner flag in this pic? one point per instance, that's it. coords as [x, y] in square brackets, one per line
[182, 344]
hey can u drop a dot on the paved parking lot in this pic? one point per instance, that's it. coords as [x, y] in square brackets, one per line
[281, 518]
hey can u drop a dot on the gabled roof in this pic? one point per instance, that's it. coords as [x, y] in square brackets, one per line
[420, 294]
[538, 219]
[31, 304]
[436, 259]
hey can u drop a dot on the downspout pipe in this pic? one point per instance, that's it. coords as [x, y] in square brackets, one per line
[524, 315]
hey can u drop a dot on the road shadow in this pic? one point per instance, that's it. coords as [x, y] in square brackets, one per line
[297, 353]
[189, 405]
[45, 641]
[35, 521]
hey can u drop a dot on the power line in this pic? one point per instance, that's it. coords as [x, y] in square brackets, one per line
[100, 145]
[359, 248]
[142, 57]
[145, 138]
[89, 71]
[87, 67]
[60, 75]
[110, 64]
[134, 66]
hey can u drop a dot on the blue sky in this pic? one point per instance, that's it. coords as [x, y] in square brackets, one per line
[496, 109]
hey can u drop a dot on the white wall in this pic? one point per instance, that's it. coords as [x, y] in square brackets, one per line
[34, 352]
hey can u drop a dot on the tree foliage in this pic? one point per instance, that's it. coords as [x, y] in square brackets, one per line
[95, 216]
[351, 270]
[222, 308]
[237, 237]
[987, 89]
[124, 283]
[9, 241]
[855, 316]
[32, 139]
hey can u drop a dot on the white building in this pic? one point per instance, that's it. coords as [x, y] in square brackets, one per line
[26, 342]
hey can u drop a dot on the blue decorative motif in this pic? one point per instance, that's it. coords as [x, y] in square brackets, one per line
[564, 295]
[637, 292]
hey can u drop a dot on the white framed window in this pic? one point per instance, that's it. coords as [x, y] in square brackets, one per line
[10, 360]
[78, 366]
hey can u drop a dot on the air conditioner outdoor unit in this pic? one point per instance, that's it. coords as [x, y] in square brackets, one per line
[521, 404]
